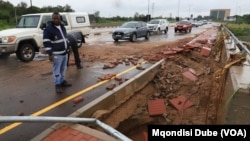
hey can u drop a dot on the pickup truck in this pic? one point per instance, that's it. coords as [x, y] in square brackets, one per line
[27, 38]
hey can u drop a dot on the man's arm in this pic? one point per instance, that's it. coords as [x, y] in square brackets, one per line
[47, 44]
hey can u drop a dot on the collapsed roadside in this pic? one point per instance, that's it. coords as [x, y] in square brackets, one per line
[187, 88]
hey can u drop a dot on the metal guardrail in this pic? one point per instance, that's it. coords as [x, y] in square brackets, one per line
[236, 40]
[39, 119]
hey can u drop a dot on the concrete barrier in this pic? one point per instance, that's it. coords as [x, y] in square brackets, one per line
[109, 100]
[119, 94]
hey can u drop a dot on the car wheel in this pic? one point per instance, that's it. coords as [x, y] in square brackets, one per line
[166, 30]
[25, 52]
[147, 35]
[116, 40]
[175, 31]
[133, 37]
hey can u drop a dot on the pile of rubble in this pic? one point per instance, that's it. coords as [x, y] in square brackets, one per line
[188, 78]
[181, 93]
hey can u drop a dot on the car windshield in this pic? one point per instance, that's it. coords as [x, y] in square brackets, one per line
[129, 25]
[154, 22]
[28, 22]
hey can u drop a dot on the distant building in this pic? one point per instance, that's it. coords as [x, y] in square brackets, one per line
[219, 14]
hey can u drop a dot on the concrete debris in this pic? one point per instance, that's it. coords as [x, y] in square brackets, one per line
[78, 100]
[107, 77]
[111, 86]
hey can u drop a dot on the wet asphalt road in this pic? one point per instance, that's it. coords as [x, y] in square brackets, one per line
[26, 90]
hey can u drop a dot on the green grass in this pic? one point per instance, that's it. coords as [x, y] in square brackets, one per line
[5, 25]
[106, 24]
[241, 31]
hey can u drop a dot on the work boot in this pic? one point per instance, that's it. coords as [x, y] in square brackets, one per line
[65, 84]
[79, 67]
[59, 89]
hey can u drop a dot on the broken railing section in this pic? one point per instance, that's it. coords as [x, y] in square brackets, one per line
[108, 129]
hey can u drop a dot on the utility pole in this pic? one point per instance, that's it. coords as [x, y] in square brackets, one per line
[30, 3]
[148, 16]
[178, 8]
[148, 6]
[178, 17]
[153, 6]
[15, 15]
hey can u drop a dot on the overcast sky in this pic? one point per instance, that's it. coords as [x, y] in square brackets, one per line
[165, 8]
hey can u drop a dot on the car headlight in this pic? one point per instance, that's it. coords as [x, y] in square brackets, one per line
[8, 39]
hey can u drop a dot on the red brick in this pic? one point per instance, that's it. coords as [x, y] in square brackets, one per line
[156, 107]
[79, 137]
[68, 138]
[78, 100]
[47, 139]
[202, 40]
[193, 45]
[86, 136]
[190, 76]
[169, 52]
[66, 133]
[181, 102]
[64, 128]
[55, 134]
[57, 139]
[74, 132]
[177, 49]
[205, 51]
[118, 78]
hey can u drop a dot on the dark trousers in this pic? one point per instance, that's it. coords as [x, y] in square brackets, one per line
[74, 48]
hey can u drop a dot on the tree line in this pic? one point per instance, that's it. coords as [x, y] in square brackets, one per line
[10, 14]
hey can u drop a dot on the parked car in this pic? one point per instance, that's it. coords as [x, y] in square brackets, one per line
[199, 23]
[158, 25]
[131, 31]
[183, 25]
[204, 22]
[196, 23]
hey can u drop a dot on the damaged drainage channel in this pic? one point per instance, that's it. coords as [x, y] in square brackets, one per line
[111, 99]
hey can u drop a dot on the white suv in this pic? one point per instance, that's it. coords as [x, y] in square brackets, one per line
[158, 25]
